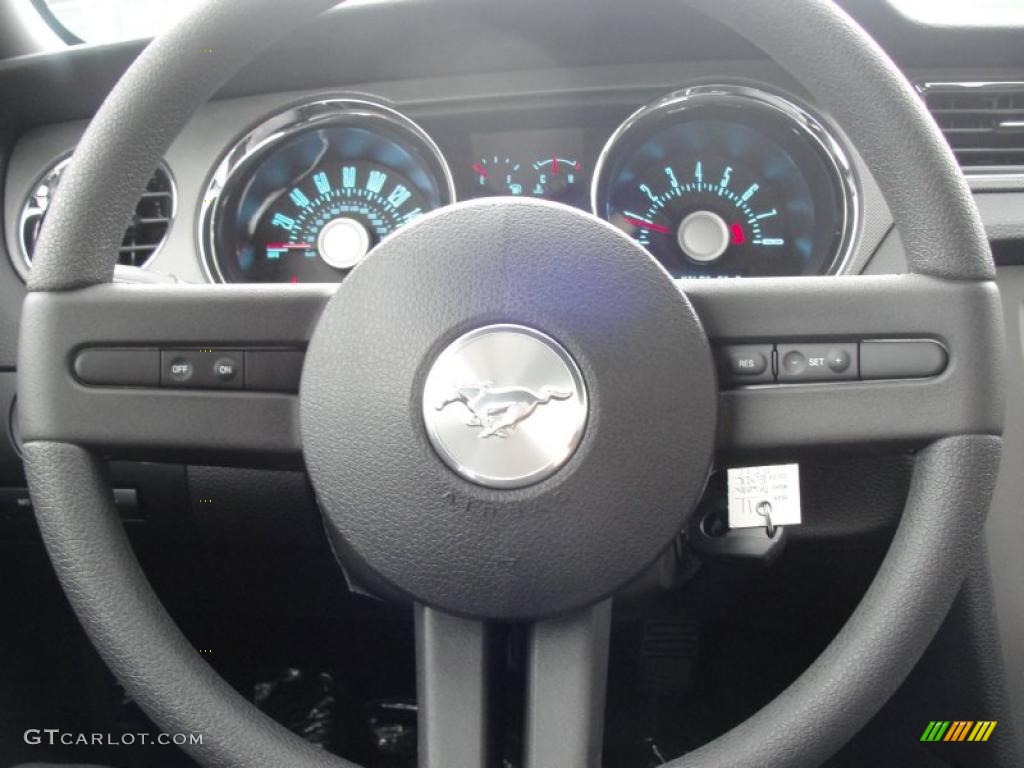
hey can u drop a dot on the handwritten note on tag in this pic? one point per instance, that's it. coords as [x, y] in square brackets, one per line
[757, 493]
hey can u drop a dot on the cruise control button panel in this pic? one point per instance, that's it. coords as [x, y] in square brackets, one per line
[794, 362]
[804, 363]
[254, 370]
[201, 368]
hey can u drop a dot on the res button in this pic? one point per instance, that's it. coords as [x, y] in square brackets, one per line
[747, 364]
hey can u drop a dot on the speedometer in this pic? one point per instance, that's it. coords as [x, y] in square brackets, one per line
[308, 194]
[729, 181]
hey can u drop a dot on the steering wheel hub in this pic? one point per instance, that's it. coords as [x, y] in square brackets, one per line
[489, 387]
[505, 406]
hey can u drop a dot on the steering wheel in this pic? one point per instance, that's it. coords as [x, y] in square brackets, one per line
[614, 479]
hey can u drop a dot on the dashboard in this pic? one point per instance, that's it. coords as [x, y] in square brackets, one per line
[732, 177]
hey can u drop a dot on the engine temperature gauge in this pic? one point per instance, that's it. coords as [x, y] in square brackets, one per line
[554, 177]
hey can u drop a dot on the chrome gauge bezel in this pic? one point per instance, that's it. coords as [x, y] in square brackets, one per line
[277, 128]
[814, 128]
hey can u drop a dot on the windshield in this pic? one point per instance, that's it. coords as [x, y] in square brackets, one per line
[105, 21]
[964, 13]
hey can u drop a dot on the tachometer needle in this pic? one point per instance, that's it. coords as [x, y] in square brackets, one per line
[636, 221]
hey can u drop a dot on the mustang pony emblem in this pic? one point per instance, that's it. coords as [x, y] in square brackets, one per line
[499, 410]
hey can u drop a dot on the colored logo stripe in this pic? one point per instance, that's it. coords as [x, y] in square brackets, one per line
[982, 730]
[958, 730]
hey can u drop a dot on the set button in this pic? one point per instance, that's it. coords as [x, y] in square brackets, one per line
[817, 362]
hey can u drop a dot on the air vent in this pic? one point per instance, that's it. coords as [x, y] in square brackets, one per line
[142, 239]
[983, 123]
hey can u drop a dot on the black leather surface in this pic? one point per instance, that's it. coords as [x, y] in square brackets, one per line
[142, 646]
[939, 535]
[595, 524]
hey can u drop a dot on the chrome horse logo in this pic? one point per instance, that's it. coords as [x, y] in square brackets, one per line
[499, 410]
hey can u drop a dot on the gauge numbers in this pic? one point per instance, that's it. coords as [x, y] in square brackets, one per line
[340, 214]
[728, 181]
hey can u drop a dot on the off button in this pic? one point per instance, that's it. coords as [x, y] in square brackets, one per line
[181, 370]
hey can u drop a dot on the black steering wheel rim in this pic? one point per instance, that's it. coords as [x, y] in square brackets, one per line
[953, 477]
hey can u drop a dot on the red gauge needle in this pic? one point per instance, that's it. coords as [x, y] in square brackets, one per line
[644, 224]
[554, 165]
[481, 170]
[289, 246]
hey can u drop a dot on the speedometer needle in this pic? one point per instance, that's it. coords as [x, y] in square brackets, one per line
[645, 224]
[289, 246]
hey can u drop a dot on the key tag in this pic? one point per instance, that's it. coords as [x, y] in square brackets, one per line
[764, 497]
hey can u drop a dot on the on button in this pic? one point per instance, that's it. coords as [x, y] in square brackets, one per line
[225, 369]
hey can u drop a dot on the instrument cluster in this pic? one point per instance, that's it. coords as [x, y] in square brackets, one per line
[713, 180]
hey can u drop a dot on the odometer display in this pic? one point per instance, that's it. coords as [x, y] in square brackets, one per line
[722, 183]
[311, 202]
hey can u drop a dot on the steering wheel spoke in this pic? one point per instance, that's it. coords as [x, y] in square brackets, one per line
[867, 404]
[160, 371]
[567, 671]
[452, 692]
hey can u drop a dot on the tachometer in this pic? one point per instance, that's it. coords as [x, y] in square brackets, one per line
[307, 195]
[721, 181]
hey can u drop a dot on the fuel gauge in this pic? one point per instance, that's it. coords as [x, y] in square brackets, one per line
[497, 175]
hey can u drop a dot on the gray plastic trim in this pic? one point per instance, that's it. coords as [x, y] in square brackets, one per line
[451, 690]
[968, 398]
[567, 672]
[163, 422]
